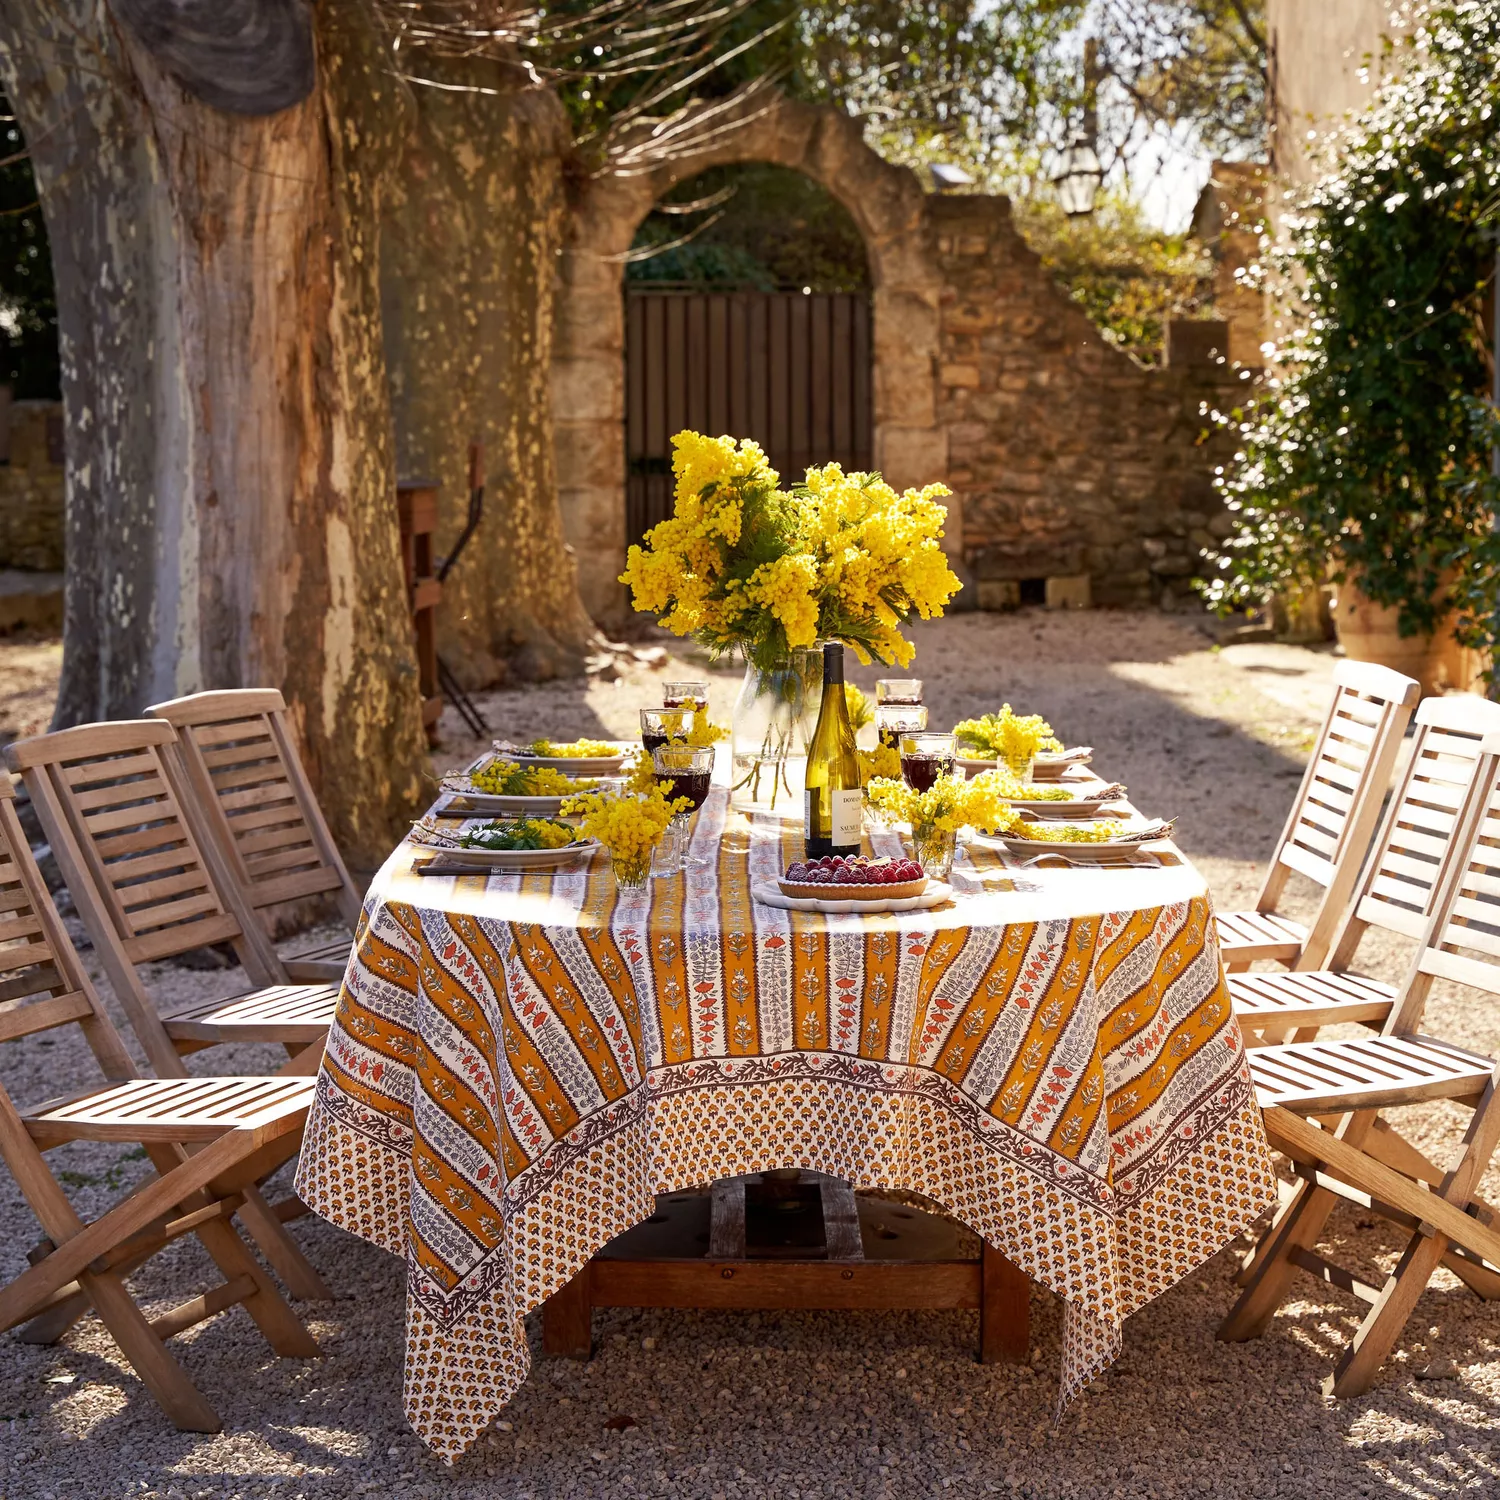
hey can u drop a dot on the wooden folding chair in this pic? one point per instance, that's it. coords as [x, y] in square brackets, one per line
[1323, 1103]
[209, 1139]
[1332, 819]
[149, 884]
[244, 768]
[1396, 888]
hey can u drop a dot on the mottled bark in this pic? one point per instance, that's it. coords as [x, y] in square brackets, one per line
[473, 226]
[230, 464]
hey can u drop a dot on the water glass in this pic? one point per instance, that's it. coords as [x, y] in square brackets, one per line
[905, 691]
[684, 695]
[658, 725]
[892, 720]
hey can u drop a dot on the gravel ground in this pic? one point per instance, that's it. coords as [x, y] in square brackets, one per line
[816, 1406]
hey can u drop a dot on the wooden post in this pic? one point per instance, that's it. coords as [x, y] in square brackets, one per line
[568, 1320]
[416, 508]
[1004, 1311]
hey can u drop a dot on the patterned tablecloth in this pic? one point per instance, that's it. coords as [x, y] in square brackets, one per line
[521, 1063]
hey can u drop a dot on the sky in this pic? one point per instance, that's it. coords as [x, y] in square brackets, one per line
[1166, 177]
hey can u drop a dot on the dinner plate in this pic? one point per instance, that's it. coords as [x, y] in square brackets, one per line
[510, 859]
[1092, 806]
[456, 804]
[769, 893]
[425, 836]
[1130, 841]
[571, 765]
[1044, 768]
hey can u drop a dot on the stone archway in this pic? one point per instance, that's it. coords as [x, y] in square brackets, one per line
[886, 202]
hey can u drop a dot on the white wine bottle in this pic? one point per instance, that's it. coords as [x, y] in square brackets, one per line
[834, 799]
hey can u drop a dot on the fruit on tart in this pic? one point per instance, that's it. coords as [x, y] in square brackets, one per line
[855, 878]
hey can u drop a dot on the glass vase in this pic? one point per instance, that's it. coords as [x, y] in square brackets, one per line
[933, 849]
[632, 874]
[772, 722]
[1022, 768]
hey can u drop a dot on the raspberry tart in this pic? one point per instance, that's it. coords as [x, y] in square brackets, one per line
[834, 878]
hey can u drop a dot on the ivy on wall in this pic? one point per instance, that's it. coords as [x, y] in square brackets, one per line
[1369, 454]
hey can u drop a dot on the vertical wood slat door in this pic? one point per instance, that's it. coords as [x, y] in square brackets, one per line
[789, 369]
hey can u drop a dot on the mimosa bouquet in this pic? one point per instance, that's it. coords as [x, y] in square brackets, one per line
[742, 562]
[1008, 737]
[937, 814]
[630, 822]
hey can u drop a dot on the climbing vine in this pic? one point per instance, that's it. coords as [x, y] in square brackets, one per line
[1368, 455]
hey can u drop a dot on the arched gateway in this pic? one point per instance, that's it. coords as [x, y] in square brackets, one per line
[887, 204]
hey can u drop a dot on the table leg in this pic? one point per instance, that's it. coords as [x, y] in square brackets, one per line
[1004, 1311]
[568, 1320]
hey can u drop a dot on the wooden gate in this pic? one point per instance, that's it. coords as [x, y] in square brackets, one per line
[789, 369]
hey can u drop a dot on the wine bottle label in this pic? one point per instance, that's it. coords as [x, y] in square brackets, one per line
[848, 807]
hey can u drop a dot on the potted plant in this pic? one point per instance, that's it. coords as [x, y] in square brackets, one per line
[1367, 460]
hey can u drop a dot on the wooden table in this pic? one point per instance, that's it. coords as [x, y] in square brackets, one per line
[786, 1240]
[526, 1068]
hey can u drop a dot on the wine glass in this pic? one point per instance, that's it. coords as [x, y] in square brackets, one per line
[903, 691]
[685, 771]
[684, 695]
[659, 725]
[892, 720]
[925, 757]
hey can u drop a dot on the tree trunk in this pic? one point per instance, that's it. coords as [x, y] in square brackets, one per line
[230, 511]
[473, 226]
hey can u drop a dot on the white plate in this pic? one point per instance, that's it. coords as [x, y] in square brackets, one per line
[455, 804]
[1077, 807]
[1051, 767]
[1044, 768]
[509, 859]
[571, 765]
[768, 893]
[1153, 833]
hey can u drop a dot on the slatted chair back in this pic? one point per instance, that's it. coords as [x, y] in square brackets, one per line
[1462, 942]
[42, 984]
[147, 881]
[1338, 803]
[244, 767]
[1417, 836]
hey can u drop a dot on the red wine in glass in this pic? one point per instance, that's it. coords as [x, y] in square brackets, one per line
[922, 771]
[690, 784]
[651, 743]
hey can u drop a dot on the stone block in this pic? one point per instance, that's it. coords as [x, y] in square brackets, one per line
[959, 375]
[910, 457]
[592, 388]
[1196, 342]
[996, 594]
[30, 601]
[1070, 591]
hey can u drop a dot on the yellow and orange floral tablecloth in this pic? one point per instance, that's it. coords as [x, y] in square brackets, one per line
[521, 1063]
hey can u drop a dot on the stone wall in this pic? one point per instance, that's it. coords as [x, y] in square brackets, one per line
[1083, 477]
[31, 485]
[1078, 476]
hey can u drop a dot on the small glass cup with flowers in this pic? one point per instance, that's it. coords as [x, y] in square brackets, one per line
[937, 814]
[1011, 740]
[629, 820]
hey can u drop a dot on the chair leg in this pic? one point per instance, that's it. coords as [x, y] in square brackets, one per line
[159, 1372]
[282, 1328]
[1295, 1227]
[1367, 1351]
[281, 1250]
[49, 1327]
